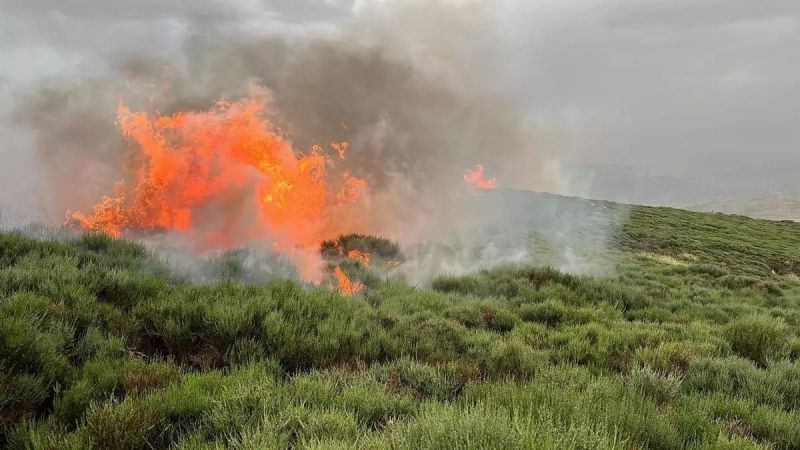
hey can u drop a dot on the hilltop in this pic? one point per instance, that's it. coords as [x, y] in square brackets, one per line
[689, 337]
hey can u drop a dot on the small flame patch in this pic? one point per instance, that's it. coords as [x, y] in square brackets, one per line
[477, 179]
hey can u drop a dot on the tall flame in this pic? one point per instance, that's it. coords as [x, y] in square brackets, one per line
[226, 177]
[477, 179]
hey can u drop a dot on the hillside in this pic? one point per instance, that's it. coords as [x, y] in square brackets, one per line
[688, 338]
[770, 208]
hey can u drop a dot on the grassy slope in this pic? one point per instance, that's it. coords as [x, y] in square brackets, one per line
[692, 343]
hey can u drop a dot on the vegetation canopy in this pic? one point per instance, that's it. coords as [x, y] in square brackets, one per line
[691, 341]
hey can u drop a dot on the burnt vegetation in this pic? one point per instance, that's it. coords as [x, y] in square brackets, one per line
[693, 341]
[377, 247]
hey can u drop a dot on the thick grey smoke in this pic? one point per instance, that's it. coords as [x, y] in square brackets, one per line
[568, 97]
[418, 102]
[651, 102]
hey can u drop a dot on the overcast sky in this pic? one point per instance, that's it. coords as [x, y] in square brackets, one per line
[701, 90]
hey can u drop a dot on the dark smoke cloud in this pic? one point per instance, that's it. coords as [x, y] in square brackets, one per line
[704, 91]
[418, 111]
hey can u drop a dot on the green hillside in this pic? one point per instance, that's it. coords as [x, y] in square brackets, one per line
[691, 339]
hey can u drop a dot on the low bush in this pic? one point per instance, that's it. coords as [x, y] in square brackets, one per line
[102, 347]
[441, 383]
[758, 337]
[125, 425]
[660, 387]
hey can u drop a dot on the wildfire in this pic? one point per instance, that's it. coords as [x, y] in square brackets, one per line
[226, 177]
[361, 257]
[353, 188]
[477, 179]
[341, 148]
[346, 286]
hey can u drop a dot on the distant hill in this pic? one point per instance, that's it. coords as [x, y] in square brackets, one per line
[770, 208]
[774, 186]
[632, 185]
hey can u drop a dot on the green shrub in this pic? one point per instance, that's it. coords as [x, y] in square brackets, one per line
[33, 343]
[428, 339]
[513, 359]
[759, 338]
[708, 269]
[778, 428]
[124, 289]
[374, 406]
[142, 378]
[609, 348]
[100, 346]
[655, 314]
[95, 344]
[321, 329]
[781, 385]
[125, 425]
[442, 383]
[118, 251]
[794, 349]
[550, 313]
[245, 351]
[730, 375]
[748, 282]
[106, 378]
[302, 426]
[46, 435]
[673, 357]
[660, 387]
[445, 426]
[778, 385]
[21, 396]
[464, 285]
[490, 315]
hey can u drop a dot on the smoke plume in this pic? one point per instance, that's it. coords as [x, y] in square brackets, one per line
[419, 103]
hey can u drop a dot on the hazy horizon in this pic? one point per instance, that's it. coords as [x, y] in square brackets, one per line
[662, 102]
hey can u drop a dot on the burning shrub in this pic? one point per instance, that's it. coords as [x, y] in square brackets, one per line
[356, 261]
[371, 245]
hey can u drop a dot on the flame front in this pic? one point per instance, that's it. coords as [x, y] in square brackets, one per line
[477, 179]
[361, 257]
[225, 176]
[347, 286]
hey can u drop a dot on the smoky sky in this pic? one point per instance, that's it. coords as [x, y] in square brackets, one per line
[547, 95]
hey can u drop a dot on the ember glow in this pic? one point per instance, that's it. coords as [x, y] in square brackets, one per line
[347, 286]
[477, 179]
[227, 178]
[361, 257]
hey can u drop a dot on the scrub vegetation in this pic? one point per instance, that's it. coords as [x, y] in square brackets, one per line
[691, 341]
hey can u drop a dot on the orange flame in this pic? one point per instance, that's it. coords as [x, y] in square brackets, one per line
[346, 286]
[477, 179]
[225, 176]
[353, 188]
[361, 257]
[341, 148]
